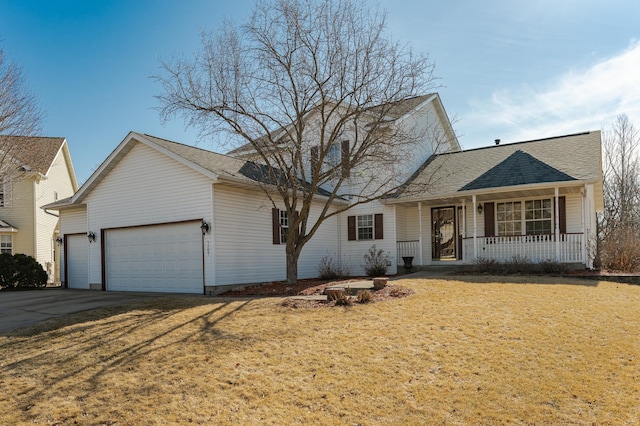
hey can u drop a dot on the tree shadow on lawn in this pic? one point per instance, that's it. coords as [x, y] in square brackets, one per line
[84, 339]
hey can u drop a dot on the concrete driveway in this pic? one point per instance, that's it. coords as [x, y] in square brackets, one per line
[22, 308]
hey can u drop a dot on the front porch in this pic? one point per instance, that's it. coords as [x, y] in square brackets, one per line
[550, 224]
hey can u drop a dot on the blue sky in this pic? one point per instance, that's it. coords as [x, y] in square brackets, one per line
[512, 70]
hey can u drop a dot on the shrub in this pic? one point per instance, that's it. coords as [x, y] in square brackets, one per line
[21, 271]
[518, 265]
[364, 296]
[376, 262]
[619, 250]
[328, 270]
[487, 266]
[553, 267]
[342, 299]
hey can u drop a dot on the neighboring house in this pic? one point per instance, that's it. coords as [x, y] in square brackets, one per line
[37, 171]
[162, 216]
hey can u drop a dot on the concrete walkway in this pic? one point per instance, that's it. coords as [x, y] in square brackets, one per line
[22, 308]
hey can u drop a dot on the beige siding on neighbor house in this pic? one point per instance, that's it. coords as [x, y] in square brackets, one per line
[147, 187]
[21, 214]
[244, 250]
[57, 181]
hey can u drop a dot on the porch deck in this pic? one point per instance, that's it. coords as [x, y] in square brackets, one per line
[536, 248]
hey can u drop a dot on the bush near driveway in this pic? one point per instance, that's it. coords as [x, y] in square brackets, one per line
[20, 271]
[461, 350]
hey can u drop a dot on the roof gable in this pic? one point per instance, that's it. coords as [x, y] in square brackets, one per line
[36, 153]
[520, 168]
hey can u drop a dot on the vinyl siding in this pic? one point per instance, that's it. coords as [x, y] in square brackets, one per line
[244, 251]
[21, 215]
[72, 221]
[147, 187]
[353, 251]
[57, 180]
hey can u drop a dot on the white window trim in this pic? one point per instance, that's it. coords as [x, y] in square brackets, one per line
[523, 226]
[2, 243]
[364, 227]
[284, 226]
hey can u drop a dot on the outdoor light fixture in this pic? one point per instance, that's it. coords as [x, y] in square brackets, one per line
[91, 236]
[59, 240]
[204, 227]
[479, 208]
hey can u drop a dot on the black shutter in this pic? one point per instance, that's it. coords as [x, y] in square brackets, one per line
[344, 156]
[562, 211]
[275, 225]
[378, 228]
[489, 222]
[351, 228]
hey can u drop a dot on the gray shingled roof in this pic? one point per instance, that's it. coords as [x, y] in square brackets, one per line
[520, 168]
[223, 164]
[575, 156]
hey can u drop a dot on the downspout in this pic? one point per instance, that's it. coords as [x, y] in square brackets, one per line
[52, 214]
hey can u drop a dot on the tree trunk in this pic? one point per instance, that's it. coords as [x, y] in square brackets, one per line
[292, 264]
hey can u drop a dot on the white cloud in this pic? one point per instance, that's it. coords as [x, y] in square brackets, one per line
[581, 100]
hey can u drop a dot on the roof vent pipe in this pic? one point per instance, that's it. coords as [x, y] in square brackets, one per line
[497, 141]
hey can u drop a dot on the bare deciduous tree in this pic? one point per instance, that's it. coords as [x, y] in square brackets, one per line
[19, 116]
[308, 89]
[620, 221]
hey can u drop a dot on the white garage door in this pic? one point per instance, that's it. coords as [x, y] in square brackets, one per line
[76, 262]
[163, 258]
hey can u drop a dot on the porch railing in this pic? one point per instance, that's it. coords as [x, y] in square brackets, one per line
[536, 248]
[408, 248]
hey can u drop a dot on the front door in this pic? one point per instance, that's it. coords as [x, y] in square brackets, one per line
[443, 233]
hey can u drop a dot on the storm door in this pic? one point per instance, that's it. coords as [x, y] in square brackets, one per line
[443, 233]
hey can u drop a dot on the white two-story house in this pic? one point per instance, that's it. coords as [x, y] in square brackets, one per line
[162, 216]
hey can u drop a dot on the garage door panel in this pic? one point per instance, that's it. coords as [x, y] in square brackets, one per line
[77, 261]
[164, 258]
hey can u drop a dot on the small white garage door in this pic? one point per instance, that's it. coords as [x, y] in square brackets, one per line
[76, 262]
[162, 258]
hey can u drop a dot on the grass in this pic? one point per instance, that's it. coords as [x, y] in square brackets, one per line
[482, 350]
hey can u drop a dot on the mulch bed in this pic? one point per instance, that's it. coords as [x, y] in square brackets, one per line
[310, 287]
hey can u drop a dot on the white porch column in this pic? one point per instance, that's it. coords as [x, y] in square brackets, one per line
[464, 227]
[583, 228]
[557, 222]
[421, 261]
[475, 227]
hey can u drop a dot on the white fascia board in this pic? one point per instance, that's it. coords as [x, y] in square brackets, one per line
[489, 191]
[119, 152]
[417, 108]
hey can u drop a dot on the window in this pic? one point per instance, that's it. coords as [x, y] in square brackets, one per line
[280, 225]
[535, 219]
[365, 227]
[538, 216]
[336, 158]
[6, 244]
[5, 194]
[509, 218]
[333, 156]
[284, 226]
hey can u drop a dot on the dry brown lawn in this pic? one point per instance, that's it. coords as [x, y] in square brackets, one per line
[478, 350]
